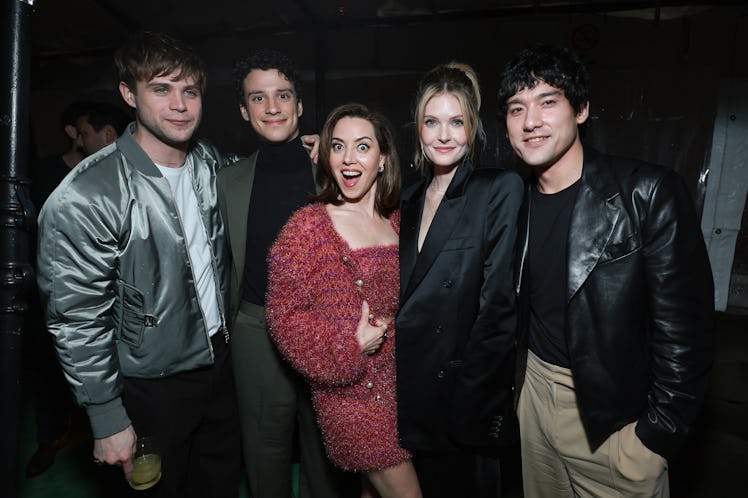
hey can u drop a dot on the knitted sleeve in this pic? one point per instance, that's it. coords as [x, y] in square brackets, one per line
[312, 309]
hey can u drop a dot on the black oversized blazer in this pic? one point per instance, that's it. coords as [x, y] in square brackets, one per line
[457, 318]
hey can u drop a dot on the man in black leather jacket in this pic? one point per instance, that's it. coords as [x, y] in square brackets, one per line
[615, 293]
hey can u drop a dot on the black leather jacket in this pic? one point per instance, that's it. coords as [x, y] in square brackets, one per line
[640, 306]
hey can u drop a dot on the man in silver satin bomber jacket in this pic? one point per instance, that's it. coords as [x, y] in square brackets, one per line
[133, 270]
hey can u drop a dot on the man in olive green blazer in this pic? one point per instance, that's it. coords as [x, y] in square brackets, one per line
[257, 195]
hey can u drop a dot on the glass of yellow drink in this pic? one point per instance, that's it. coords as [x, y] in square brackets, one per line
[146, 464]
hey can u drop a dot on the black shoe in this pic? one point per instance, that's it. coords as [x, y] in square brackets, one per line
[44, 457]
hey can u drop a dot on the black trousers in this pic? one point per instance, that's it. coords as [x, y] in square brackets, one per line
[194, 418]
[457, 474]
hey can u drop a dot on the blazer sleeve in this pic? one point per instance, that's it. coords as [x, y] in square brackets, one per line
[309, 312]
[481, 413]
[681, 301]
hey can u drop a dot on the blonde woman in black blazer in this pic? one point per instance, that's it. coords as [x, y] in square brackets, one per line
[456, 323]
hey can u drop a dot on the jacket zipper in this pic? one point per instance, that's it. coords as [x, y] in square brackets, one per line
[222, 329]
[525, 245]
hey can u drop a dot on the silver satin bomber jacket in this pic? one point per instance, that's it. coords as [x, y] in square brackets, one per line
[115, 278]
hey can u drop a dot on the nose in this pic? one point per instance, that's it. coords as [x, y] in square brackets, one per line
[178, 101]
[533, 118]
[444, 133]
[348, 156]
[271, 106]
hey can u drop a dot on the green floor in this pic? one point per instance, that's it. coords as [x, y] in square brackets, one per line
[714, 465]
[74, 475]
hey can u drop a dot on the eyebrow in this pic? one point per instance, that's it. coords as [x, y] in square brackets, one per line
[170, 84]
[278, 90]
[359, 139]
[550, 93]
[450, 117]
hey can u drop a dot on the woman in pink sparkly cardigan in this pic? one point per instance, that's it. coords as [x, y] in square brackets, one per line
[333, 295]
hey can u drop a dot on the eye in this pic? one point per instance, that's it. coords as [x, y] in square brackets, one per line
[337, 147]
[513, 111]
[192, 92]
[284, 96]
[549, 102]
[363, 147]
[256, 98]
[457, 122]
[159, 90]
[430, 122]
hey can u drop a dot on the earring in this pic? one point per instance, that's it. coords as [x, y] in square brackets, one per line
[380, 168]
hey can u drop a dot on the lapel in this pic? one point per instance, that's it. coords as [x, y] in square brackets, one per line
[593, 219]
[238, 194]
[445, 221]
[410, 216]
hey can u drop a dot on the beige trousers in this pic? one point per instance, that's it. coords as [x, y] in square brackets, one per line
[556, 456]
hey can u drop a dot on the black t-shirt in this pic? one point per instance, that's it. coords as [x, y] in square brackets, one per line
[550, 215]
[282, 184]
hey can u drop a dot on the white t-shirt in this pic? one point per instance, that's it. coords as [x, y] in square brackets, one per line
[180, 180]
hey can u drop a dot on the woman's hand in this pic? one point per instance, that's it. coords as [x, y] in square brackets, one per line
[370, 333]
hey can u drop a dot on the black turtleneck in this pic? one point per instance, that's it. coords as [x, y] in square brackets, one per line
[282, 184]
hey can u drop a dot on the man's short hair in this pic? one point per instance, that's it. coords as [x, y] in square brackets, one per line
[559, 67]
[103, 114]
[73, 111]
[265, 59]
[148, 55]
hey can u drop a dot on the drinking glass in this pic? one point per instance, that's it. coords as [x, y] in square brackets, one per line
[146, 464]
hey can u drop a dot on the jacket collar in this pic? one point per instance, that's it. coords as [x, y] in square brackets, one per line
[413, 264]
[595, 213]
[593, 219]
[137, 157]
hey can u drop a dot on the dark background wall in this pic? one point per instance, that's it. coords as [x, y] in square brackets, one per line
[654, 91]
[656, 71]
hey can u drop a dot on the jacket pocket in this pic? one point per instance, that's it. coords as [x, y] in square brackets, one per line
[620, 249]
[131, 316]
[459, 244]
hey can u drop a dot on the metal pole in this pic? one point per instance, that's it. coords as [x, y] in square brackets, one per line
[16, 222]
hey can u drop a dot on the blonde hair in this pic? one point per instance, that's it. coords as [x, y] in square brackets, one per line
[461, 81]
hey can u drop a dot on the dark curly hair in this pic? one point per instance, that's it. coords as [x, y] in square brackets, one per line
[559, 67]
[148, 54]
[388, 181]
[265, 59]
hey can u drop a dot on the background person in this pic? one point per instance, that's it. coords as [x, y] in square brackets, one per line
[101, 126]
[615, 293]
[457, 320]
[53, 402]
